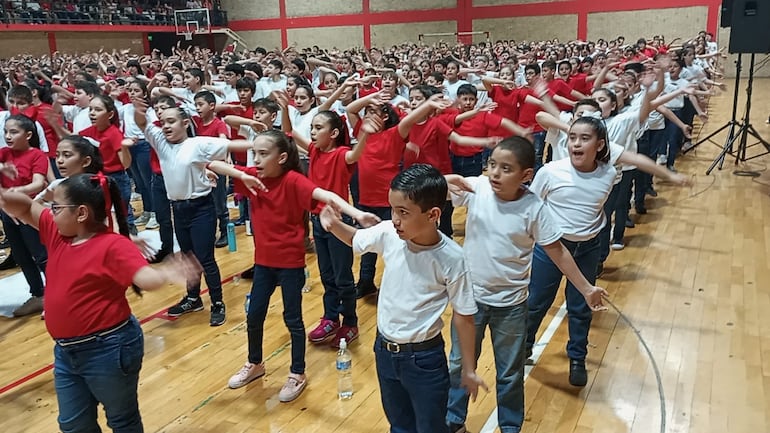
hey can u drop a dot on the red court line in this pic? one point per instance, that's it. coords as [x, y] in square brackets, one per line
[158, 315]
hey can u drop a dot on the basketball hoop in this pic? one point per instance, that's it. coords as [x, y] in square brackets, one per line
[188, 36]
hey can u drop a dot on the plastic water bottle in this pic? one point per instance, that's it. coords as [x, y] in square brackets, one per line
[247, 302]
[307, 287]
[344, 372]
[231, 242]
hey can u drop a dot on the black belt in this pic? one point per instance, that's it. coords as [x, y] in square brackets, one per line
[90, 337]
[411, 347]
[192, 200]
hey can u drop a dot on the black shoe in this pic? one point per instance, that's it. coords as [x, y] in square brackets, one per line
[186, 305]
[528, 360]
[221, 242]
[248, 274]
[159, 256]
[8, 263]
[641, 210]
[365, 288]
[217, 313]
[457, 428]
[599, 269]
[651, 192]
[577, 373]
[630, 224]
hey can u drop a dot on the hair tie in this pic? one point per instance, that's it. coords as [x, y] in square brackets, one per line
[104, 183]
[593, 114]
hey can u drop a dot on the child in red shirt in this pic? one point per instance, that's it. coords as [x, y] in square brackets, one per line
[277, 212]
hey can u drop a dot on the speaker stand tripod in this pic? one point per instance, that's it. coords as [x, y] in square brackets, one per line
[741, 134]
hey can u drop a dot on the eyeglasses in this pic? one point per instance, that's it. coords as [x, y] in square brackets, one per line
[57, 208]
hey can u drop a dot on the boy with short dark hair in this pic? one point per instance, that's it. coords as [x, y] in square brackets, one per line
[409, 350]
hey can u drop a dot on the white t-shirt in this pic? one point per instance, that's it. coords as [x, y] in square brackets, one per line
[499, 240]
[77, 116]
[557, 138]
[184, 164]
[575, 199]
[417, 284]
[4, 115]
[266, 85]
[129, 126]
[624, 129]
[672, 86]
[450, 89]
[302, 122]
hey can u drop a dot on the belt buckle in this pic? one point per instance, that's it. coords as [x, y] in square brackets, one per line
[392, 347]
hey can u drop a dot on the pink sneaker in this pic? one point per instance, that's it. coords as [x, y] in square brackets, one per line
[324, 330]
[349, 333]
[246, 374]
[293, 387]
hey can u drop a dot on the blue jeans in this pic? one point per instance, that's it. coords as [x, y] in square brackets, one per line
[538, 142]
[104, 370]
[369, 260]
[335, 264]
[604, 234]
[414, 388]
[543, 285]
[674, 137]
[467, 166]
[648, 145]
[124, 185]
[162, 207]
[623, 204]
[142, 172]
[195, 227]
[507, 327]
[27, 252]
[262, 287]
[219, 194]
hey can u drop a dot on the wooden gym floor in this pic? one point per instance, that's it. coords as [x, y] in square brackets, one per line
[693, 279]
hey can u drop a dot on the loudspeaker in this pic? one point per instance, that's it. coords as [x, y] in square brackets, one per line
[727, 13]
[750, 32]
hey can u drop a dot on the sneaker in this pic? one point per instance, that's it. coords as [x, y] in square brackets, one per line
[457, 428]
[293, 387]
[528, 358]
[8, 263]
[630, 224]
[143, 219]
[651, 192]
[34, 305]
[662, 159]
[640, 210]
[365, 288]
[617, 246]
[349, 333]
[152, 223]
[186, 305]
[221, 242]
[687, 146]
[217, 313]
[246, 374]
[325, 329]
[577, 373]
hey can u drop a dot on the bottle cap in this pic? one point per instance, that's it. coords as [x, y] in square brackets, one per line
[343, 343]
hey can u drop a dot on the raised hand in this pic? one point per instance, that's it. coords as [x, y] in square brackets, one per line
[372, 125]
[329, 217]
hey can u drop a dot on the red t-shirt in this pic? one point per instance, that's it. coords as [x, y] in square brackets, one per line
[28, 163]
[506, 102]
[527, 112]
[85, 288]
[154, 161]
[329, 171]
[432, 138]
[479, 125]
[580, 83]
[109, 145]
[278, 220]
[233, 132]
[215, 128]
[362, 91]
[561, 88]
[50, 135]
[378, 165]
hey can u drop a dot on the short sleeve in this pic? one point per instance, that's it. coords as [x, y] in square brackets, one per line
[238, 186]
[124, 260]
[304, 188]
[40, 164]
[545, 231]
[372, 239]
[211, 149]
[492, 121]
[539, 184]
[460, 291]
[154, 136]
[463, 198]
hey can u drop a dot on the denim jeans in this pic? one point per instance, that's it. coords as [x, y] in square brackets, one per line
[538, 142]
[507, 328]
[219, 194]
[104, 370]
[124, 185]
[369, 260]
[674, 136]
[649, 145]
[162, 207]
[543, 285]
[195, 227]
[467, 166]
[414, 388]
[604, 234]
[335, 264]
[27, 252]
[262, 287]
[142, 172]
[623, 204]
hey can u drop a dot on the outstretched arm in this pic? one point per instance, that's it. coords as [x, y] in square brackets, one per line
[21, 206]
[564, 261]
[331, 220]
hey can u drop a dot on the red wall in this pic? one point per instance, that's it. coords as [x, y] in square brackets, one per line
[464, 14]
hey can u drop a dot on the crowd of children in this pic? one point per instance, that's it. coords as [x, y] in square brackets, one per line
[408, 134]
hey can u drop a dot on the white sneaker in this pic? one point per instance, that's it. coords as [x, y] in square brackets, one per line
[152, 223]
[135, 196]
[143, 219]
[293, 387]
[662, 159]
[246, 374]
[617, 246]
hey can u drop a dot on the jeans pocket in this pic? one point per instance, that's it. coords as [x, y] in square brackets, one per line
[430, 361]
[131, 354]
